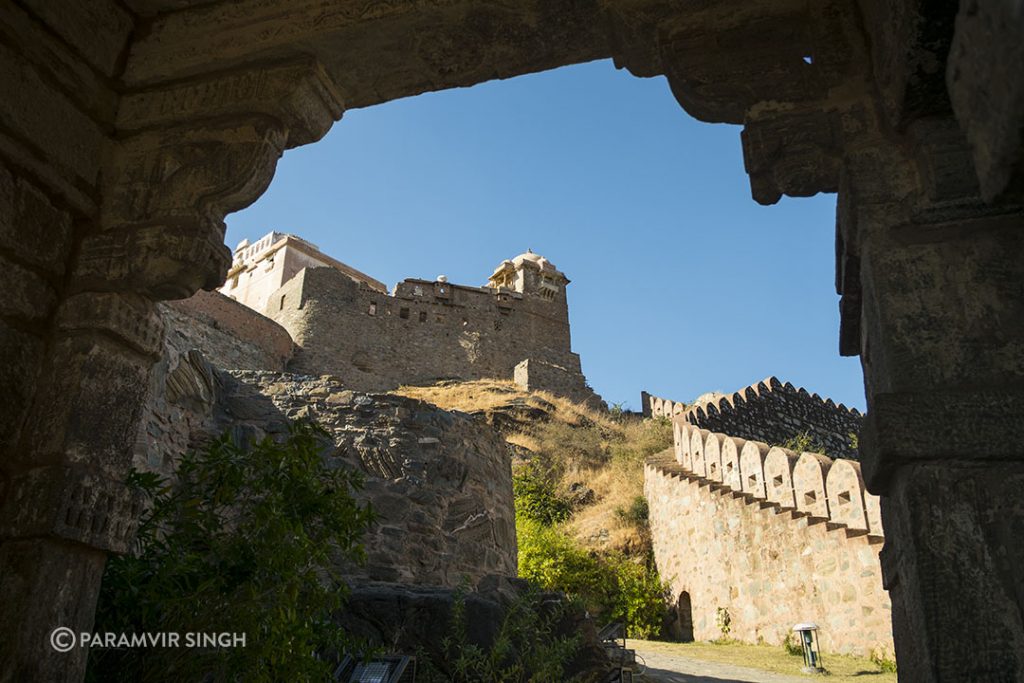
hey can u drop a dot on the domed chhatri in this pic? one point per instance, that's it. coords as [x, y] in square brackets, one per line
[528, 272]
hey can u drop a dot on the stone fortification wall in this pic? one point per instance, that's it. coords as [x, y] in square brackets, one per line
[425, 332]
[533, 374]
[769, 411]
[439, 482]
[772, 536]
[230, 335]
[205, 331]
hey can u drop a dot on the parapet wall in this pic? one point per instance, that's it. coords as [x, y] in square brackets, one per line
[231, 335]
[533, 374]
[772, 536]
[202, 332]
[770, 411]
[426, 331]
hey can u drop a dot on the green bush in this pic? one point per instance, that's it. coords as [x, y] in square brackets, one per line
[791, 644]
[525, 649]
[803, 442]
[612, 587]
[244, 542]
[636, 514]
[724, 622]
[536, 497]
[883, 661]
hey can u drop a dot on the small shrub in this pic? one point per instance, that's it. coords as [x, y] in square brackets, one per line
[640, 440]
[724, 622]
[536, 497]
[572, 446]
[636, 514]
[612, 586]
[245, 542]
[525, 649]
[854, 439]
[803, 442]
[791, 644]
[883, 661]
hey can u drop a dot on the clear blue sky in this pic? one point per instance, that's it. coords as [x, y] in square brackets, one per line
[681, 284]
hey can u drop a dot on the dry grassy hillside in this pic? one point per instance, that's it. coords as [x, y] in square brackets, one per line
[595, 459]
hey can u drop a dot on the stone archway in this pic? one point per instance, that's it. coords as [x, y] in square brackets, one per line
[684, 618]
[135, 126]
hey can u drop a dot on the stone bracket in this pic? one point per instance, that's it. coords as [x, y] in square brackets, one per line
[299, 94]
[908, 428]
[74, 504]
[131, 318]
[797, 154]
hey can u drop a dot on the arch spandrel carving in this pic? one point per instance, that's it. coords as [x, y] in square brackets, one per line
[187, 155]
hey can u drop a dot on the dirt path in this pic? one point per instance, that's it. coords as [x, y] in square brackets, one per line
[664, 667]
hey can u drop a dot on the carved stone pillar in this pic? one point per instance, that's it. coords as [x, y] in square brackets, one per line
[931, 278]
[183, 158]
[940, 338]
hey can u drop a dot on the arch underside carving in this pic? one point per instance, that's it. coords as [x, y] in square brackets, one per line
[135, 126]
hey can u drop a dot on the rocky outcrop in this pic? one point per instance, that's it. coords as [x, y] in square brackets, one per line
[439, 482]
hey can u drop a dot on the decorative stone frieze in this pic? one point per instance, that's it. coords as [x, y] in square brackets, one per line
[71, 503]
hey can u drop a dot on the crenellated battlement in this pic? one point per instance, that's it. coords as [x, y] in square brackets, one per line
[808, 485]
[770, 536]
[771, 411]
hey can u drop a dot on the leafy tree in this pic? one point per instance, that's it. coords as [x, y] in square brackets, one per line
[244, 541]
[536, 498]
[611, 586]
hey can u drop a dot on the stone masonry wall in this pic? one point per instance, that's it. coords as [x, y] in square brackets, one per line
[772, 536]
[439, 482]
[538, 375]
[426, 332]
[772, 412]
[204, 332]
[231, 335]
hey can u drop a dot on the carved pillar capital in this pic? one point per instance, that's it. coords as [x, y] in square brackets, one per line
[188, 154]
[72, 503]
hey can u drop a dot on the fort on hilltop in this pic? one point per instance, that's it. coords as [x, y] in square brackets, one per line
[347, 324]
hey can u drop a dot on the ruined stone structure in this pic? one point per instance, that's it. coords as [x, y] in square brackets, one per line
[769, 411]
[130, 129]
[772, 536]
[346, 324]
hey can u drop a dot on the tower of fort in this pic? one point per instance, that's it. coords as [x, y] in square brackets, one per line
[347, 324]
